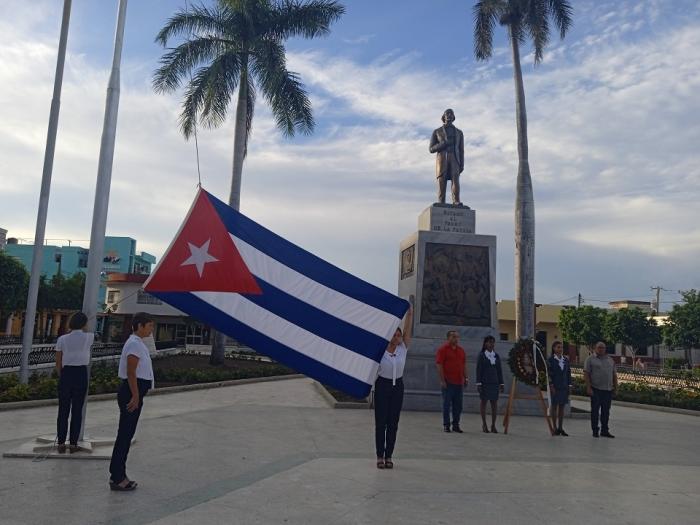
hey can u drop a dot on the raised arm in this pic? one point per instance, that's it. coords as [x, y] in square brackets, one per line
[408, 325]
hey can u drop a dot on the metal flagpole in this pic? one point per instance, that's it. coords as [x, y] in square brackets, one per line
[38, 250]
[104, 179]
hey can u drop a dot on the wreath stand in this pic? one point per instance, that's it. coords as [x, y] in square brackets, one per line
[514, 395]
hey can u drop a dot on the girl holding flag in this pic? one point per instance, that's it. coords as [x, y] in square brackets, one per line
[388, 392]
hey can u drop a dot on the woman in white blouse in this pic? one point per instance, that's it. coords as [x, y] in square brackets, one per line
[388, 393]
[72, 360]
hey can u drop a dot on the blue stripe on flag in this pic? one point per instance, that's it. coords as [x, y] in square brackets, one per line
[319, 322]
[306, 263]
[200, 309]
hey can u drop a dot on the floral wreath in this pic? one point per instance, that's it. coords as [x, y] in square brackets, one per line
[527, 366]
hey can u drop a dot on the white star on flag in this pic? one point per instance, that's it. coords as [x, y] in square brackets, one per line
[199, 256]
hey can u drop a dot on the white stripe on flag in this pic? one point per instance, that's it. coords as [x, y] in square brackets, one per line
[331, 301]
[291, 335]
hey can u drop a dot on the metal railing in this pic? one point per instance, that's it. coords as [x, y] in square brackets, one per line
[11, 355]
[659, 377]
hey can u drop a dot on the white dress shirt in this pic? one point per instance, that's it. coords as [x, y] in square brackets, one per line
[135, 346]
[75, 347]
[392, 365]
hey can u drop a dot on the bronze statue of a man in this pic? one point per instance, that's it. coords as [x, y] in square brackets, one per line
[448, 142]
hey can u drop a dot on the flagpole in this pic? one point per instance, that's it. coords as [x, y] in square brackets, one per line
[104, 179]
[37, 252]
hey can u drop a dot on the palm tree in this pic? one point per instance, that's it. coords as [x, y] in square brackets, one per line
[523, 19]
[239, 45]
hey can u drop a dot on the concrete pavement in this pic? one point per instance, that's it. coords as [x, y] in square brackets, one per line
[273, 453]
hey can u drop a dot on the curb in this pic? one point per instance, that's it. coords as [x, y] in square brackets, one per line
[34, 403]
[333, 403]
[657, 408]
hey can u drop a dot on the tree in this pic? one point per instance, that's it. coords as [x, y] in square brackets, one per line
[682, 328]
[239, 44]
[632, 328]
[14, 280]
[524, 20]
[582, 326]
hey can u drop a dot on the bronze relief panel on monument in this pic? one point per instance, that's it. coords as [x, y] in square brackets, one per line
[456, 285]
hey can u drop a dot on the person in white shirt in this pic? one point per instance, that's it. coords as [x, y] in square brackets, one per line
[72, 360]
[388, 393]
[136, 373]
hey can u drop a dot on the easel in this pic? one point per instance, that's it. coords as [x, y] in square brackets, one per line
[513, 396]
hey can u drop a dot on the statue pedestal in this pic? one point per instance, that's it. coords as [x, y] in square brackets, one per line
[451, 272]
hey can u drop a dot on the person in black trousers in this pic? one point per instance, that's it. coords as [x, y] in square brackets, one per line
[136, 372]
[72, 360]
[559, 385]
[388, 393]
[489, 381]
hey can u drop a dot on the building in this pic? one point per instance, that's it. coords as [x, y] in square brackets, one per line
[546, 322]
[120, 255]
[125, 297]
[624, 303]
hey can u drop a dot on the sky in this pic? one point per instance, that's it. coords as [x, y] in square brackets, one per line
[613, 122]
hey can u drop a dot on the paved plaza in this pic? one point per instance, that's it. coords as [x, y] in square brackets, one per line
[274, 452]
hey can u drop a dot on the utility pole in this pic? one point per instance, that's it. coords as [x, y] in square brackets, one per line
[580, 300]
[657, 306]
[37, 252]
[104, 181]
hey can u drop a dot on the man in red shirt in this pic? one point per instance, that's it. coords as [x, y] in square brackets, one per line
[452, 366]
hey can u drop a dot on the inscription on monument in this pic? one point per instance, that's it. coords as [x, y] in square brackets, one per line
[450, 221]
[456, 285]
[408, 257]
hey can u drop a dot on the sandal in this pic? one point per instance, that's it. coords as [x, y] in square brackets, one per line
[131, 485]
[380, 464]
[388, 463]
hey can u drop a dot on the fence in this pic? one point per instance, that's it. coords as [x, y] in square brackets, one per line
[655, 377]
[11, 355]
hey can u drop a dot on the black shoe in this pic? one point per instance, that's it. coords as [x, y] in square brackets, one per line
[607, 435]
[557, 432]
[595, 433]
[562, 433]
[447, 428]
[455, 428]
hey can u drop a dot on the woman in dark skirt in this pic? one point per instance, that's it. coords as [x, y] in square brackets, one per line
[559, 385]
[489, 381]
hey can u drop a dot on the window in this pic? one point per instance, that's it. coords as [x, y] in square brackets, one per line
[113, 296]
[503, 336]
[146, 298]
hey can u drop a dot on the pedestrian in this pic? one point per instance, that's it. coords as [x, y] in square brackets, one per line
[136, 373]
[388, 393]
[601, 382]
[559, 385]
[452, 368]
[72, 360]
[489, 381]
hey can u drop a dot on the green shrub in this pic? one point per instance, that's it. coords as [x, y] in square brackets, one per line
[15, 393]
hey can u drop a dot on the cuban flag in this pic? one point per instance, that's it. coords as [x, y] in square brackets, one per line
[225, 270]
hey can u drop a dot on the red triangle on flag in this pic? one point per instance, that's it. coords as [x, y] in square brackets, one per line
[203, 257]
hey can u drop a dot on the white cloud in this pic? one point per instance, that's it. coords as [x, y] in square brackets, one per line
[613, 148]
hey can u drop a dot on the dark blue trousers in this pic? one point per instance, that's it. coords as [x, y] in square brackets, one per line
[452, 398]
[72, 389]
[600, 404]
[127, 428]
[388, 400]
